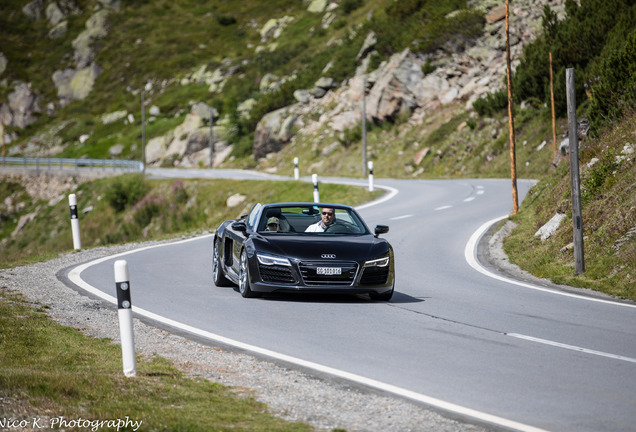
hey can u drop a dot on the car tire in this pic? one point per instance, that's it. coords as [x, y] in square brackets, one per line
[218, 274]
[244, 277]
[385, 296]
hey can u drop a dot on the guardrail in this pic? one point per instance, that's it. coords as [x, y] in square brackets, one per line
[69, 163]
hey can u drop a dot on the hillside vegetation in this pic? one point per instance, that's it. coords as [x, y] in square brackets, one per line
[189, 57]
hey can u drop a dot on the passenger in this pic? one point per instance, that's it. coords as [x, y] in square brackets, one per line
[273, 224]
[328, 218]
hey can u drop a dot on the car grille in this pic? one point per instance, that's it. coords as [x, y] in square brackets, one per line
[276, 274]
[310, 275]
[374, 275]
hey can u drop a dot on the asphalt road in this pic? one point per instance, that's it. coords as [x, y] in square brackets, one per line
[452, 337]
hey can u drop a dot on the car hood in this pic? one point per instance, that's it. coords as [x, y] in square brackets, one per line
[303, 247]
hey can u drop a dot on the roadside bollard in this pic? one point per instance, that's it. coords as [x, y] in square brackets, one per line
[296, 172]
[370, 165]
[72, 201]
[314, 179]
[124, 310]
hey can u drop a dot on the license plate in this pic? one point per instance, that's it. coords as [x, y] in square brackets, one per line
[328, 270]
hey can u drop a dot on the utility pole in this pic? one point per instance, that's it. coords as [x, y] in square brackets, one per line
[143, 131]
[2, 132]
[364, 127]
[575, 184]
[554, 141]
[211, 138]
[511, 123]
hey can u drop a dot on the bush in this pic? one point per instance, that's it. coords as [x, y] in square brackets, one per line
[125, 191]
[613, 91]
[225, 20]
[349, 6]
[592, 30]
[492, 103]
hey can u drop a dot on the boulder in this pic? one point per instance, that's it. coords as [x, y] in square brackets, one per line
[317, 6]
[274, 27]
[59, 30]
[273, 131]
[95, 29]
[75, 84]
[245, 108]
[550, 227]
[23, 104]
[367, 46]
[235, 200]
[302, 96]
[268, 82]
[156, 149]
[34, 10]
[398, 88]
[116, 150]
[54, 14]
[202, 110]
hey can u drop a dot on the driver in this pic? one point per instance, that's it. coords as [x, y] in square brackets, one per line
[328, 218]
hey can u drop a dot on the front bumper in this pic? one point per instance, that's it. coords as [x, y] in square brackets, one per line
[303, 276]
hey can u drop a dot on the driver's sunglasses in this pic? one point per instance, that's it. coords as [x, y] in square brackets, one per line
[327, 213]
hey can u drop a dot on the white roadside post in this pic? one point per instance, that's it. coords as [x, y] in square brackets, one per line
[314, 179]
[72, 201]
[296, 172]
[370, 164]
[124, 309]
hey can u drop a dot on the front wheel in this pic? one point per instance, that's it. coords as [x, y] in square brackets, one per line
[244, 278]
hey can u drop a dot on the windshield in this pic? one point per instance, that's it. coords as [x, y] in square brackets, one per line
[311, 220]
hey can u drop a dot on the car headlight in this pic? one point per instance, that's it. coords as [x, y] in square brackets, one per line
[271, 260]
[380, 262]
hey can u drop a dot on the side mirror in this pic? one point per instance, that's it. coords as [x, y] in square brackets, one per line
[239, 226]
[381, 229]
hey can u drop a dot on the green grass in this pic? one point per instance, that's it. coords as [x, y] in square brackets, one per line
[608, 190]
[56, 371]
[160, 209]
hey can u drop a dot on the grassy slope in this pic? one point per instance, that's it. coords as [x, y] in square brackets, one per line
[50, 371]
[166, 208]
[608, 190]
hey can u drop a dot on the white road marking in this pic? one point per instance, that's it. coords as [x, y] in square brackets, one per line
[75, 277]
[469, 199]
[401, 217]
[443, 207]
[392, 192]
[572, 347]
[470, 252]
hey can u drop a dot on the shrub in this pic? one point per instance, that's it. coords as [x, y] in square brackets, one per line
[126, 190]
[599, 177]
[225, 20]
[349, 6]
[591, 31]
[491, 103]
[613, 91]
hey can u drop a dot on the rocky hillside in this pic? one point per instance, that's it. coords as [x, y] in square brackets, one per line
[63, 110]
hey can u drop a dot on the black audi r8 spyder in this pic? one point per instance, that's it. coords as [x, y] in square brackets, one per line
[287, 247]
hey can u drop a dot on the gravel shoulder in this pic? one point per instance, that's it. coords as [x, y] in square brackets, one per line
[317, 400]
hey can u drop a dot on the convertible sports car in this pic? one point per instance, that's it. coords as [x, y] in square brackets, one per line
[303, 247]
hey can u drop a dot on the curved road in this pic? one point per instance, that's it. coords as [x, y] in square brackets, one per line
[452, 337]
